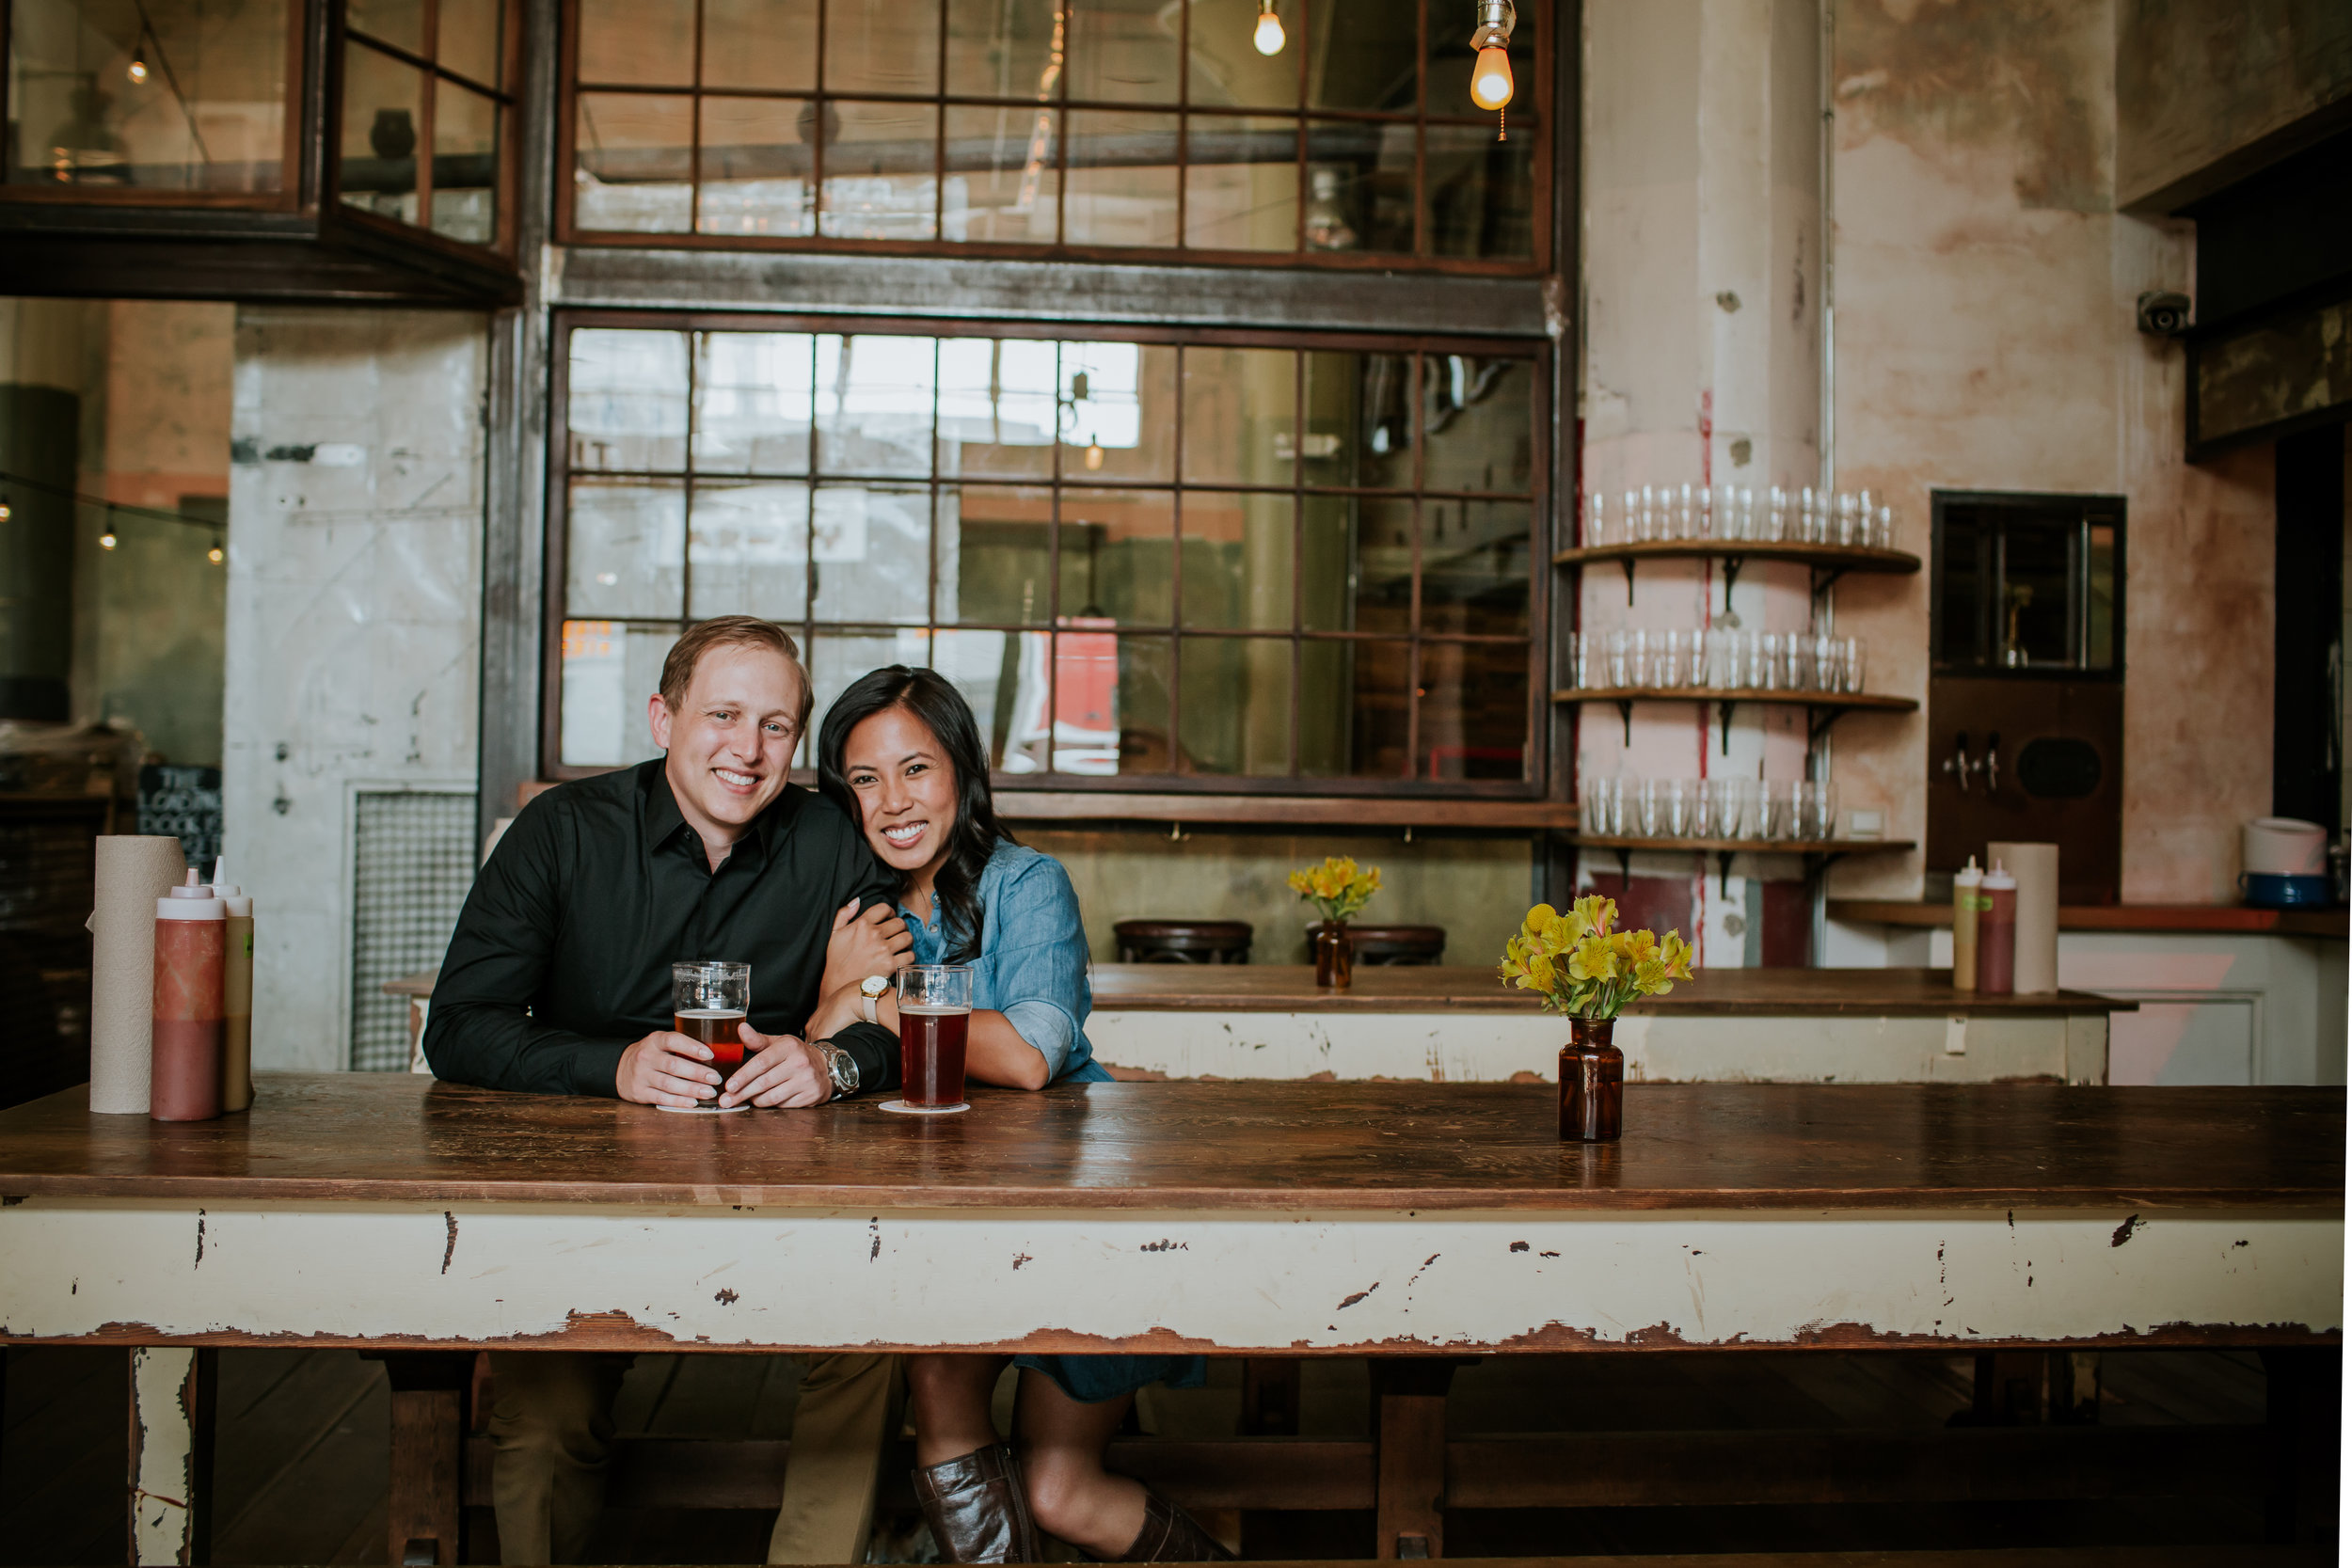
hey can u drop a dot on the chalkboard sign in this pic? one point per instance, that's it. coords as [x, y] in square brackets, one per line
[183, 802]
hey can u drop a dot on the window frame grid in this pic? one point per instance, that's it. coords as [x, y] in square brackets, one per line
[1301, 113]
[809, 627]
[506, 96]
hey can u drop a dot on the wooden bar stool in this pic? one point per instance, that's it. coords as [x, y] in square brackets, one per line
[1184, 942]
[1392, 944]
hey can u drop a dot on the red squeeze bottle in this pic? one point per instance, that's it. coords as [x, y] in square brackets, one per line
[1996, 934]
[191, 953]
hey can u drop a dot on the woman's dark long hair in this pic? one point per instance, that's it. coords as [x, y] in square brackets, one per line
[926, 694]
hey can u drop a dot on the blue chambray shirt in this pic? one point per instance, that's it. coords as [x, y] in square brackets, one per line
[1032, 963]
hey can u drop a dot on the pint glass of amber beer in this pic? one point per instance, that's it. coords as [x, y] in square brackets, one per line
[707, 1002]
[934, 1022]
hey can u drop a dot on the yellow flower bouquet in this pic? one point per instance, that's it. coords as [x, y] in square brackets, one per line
[1338, 887]
[1581, 966]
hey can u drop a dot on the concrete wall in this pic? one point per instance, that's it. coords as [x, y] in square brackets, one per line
[1985, 339]
[354, 623]
[1477, 889]
[2206, 90]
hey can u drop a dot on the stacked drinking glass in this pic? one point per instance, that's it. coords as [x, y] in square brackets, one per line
[1658, 513]
[1719, 658]
[1745, 808]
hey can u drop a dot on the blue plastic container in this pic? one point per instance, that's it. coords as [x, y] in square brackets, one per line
[2265, 890]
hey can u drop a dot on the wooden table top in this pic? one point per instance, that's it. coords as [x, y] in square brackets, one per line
[1285, 1145]
[1437, 987]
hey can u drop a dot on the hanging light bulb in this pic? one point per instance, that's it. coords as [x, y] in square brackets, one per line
[1268, 37]
[216, 555]
[6, 510]
[1094, 453]
[106, 540]
[1490, 81]
[137, 72]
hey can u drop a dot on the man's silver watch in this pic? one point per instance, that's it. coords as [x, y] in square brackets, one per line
[840, 1066]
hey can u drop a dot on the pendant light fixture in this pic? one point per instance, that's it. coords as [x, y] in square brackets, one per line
[1268, 37]
[1490, 79]
[6, 510]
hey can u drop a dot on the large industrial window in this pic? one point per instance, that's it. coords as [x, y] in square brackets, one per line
[1070, 125]
[149, 100]
[1309, 564]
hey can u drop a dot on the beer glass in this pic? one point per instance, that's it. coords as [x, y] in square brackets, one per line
[708, 1003]
[934, 1026]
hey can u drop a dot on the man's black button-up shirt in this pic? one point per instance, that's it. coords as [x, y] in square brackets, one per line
[561, 956]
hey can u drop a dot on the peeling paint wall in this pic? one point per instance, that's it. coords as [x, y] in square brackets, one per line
[1986, 338]
[355, 599]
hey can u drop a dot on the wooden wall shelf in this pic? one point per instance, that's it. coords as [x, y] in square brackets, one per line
[1823, 708]
[1826, 563]
[1839, 558]
[1334, 813]
[1818, 853]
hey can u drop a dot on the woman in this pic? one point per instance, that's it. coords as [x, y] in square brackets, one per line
[900, 752]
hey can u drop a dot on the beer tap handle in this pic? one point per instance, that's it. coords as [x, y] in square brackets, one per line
[1957, 765]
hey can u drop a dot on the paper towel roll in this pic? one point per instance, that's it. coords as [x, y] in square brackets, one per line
[2036, 869]
[134, 870]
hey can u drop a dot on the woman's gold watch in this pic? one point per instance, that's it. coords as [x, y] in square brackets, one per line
[869, 992]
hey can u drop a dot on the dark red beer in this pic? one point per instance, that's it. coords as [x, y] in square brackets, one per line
[716, 1028]
[930, 1055]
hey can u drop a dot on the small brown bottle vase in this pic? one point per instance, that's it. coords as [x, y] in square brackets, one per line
[1591, 1084]
[1335, 956]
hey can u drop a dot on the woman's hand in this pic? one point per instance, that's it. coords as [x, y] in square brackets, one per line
[873, 943]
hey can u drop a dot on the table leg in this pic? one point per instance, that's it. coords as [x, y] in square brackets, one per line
[431, 1390]
[171, 1453]
[1408, 1434]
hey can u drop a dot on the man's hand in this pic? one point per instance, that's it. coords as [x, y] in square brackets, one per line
[785, 1072]
[666, 1068]
[874, 943]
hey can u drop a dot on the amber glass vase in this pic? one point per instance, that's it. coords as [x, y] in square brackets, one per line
[1592, 1082]
[1335, 956]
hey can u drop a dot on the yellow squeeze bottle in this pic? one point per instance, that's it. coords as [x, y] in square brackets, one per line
[1967, 902]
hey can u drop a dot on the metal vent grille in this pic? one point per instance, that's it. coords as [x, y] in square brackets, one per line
[413, 860]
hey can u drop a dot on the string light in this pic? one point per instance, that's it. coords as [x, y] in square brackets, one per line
[106, 540]
[1490, 80]
[1268, 37]
[6, 510]
[216, 555]
[137, 72]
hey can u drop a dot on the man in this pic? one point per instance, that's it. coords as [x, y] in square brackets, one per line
[557, 981]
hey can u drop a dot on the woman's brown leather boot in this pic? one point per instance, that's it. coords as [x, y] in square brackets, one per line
[976, 1510]
[1170, 1535]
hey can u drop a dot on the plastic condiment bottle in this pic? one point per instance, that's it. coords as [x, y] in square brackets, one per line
[1996, 934]
[191, 934]
[1967, 903]
[236, 993]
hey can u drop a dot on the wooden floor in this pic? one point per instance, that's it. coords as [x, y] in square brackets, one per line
[302, 1452]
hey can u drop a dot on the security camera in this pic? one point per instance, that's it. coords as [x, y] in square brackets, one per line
[2163, 313]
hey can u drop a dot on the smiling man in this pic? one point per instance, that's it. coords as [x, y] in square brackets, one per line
[557, 981]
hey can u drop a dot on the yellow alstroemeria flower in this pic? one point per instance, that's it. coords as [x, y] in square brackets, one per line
[1594, 913]
[1592, 958]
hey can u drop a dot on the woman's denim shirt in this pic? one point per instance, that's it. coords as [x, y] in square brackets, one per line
[1032, 964]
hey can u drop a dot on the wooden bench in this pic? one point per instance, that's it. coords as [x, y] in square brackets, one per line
[1412, 1472]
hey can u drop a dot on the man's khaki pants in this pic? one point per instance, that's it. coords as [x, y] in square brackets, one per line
[552, 1420]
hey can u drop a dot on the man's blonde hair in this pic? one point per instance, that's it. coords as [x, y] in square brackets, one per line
[730, 631]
